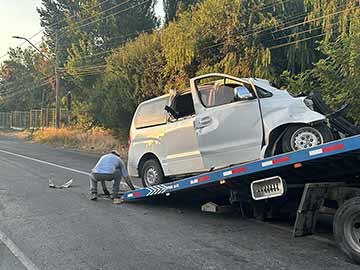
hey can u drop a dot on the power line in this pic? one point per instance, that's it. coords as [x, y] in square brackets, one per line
[260, 29]
[75, 15]
[21, 90]
[101, 12]
[6, 54]
[302, 14]
[89, 56]
[110, 15]
[290, 43]
[295, 42]
[260, 8]
[42, 30]
[85, 69]
[30, 38]
[122, 37]
[311, 29]
[305, 31]
[281, 29]
[316, 19]
[51, 25]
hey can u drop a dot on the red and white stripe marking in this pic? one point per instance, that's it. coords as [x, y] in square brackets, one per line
[235, 171]
[275, 161]
[134, 194]
[200, 179]
[327, 149]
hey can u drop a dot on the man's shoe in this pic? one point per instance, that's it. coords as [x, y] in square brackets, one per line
[106, 192]
[93, 196]
[118, 200]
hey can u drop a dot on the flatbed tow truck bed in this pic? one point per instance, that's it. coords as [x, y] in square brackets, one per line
[330, 162]
[326, 175]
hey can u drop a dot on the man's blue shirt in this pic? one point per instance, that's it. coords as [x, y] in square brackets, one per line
[108, 163]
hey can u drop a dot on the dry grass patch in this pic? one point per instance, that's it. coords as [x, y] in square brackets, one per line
[14, 133]
[95, 140]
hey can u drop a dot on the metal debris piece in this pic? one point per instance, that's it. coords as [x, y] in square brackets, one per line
[65, 185]
[215, 208]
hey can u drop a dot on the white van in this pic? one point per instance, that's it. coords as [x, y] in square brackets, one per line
[223, 120]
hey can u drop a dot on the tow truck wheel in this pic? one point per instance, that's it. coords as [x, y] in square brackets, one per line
[347, 228]
[151, 173]
[299, 137]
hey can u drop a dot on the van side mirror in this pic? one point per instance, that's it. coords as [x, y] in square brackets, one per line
[171, 111]
[242, 93]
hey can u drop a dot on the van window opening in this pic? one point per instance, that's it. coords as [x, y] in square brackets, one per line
[183, 105]
[218, 91]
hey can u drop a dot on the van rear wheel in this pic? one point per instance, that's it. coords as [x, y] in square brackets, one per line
[152, 173]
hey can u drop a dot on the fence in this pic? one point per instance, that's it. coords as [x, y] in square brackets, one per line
[33, 119]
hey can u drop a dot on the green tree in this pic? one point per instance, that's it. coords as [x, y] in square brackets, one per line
[171, 7]
[88, 31]
[22, 85]
[134, 73]
[336, 76]
[215, 42]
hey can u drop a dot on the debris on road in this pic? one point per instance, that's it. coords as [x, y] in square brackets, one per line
[215, 208]
[65, 185]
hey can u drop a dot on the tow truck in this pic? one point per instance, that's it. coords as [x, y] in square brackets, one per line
[299, 183]
[327, 175]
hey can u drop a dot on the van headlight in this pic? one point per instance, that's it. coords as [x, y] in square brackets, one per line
[309, 103]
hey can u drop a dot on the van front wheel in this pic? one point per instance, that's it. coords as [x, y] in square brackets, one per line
[299, 137]
[151, 173]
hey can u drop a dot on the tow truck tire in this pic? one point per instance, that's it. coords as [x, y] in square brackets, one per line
[152, 173]
[347, 228]
[303, 136]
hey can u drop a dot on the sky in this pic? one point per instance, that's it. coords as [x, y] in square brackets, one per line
[20, 18]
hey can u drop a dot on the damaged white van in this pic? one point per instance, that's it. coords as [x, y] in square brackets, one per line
[222, 121]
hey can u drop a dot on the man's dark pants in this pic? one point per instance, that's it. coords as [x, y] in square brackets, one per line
[102, 177]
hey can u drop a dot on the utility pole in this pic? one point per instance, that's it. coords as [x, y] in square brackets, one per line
[57, 79]
[57, 83]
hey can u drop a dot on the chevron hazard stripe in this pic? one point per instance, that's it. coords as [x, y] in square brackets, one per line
[155, 190]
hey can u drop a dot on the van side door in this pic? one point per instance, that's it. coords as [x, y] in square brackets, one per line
[228, 121]
[183, 155]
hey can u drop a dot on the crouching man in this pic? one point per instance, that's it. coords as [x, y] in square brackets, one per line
[110, 167]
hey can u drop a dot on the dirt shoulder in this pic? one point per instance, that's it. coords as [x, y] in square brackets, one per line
[95, 141]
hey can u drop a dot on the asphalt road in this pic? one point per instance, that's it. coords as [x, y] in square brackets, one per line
[62, 229]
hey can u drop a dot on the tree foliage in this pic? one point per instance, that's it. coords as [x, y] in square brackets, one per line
[22, 79]
[336, 75]
[172, 7]
[115, 54]
[133, 74]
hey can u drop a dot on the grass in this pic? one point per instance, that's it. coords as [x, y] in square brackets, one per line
[96, 140]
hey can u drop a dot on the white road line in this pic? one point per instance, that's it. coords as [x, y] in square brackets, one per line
[45, 162]
[7, 241]
[17, 252]
[48, 163]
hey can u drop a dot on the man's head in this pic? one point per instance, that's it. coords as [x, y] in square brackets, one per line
[116, 153]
